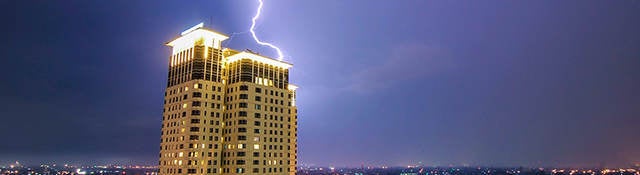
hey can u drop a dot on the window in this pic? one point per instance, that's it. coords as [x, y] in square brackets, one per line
[194, 129]
[242, 122]
[242, 129]
[242, 137]
[256, 131]
[256, 123]
[195, 112]
[195, 103]
[257, 115]
[242, 105]
[193, 137]
[241, 154]
[191, 171]
[258, 90]
[197, 94]
[244, 88]
[244, 96]
[256, 154]
[242, 113]
[256, 162]
[258, 107]
[258, 98]
[195, 120]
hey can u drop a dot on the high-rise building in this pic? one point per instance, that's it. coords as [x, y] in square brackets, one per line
[226, 111]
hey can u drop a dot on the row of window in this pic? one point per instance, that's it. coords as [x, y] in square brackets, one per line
[225, 170]
[257, 90]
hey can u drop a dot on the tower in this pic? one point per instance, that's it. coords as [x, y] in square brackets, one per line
[226, 111]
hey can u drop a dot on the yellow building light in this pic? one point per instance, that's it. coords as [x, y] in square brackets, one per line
[194, 34]
[193, 44]
[258, 58]
[292, 87]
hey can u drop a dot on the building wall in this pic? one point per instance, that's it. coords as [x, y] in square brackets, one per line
[227, 117]
[260, 125]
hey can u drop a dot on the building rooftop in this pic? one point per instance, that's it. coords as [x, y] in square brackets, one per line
[234, 55]
[213, 39]
[197, 33]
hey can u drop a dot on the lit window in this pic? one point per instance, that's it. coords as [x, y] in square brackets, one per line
[256, 146]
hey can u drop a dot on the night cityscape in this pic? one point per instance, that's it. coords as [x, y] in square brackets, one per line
[54, 169]
[286, 87]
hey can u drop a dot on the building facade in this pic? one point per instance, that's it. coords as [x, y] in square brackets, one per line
[226, 111]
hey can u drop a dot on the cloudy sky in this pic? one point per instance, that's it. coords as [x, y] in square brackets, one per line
[499, 83]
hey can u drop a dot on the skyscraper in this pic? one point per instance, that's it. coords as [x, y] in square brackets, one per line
[226, 111]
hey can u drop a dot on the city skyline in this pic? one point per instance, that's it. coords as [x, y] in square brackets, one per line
[492, 83]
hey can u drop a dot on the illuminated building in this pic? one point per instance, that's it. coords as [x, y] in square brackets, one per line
[226, 111]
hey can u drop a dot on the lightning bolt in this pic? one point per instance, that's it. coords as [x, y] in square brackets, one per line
[253, 33]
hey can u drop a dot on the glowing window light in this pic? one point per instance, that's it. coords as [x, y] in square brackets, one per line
[258, 58]
[189, 39]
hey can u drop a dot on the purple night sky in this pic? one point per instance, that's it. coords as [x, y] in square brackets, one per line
[491, 83]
